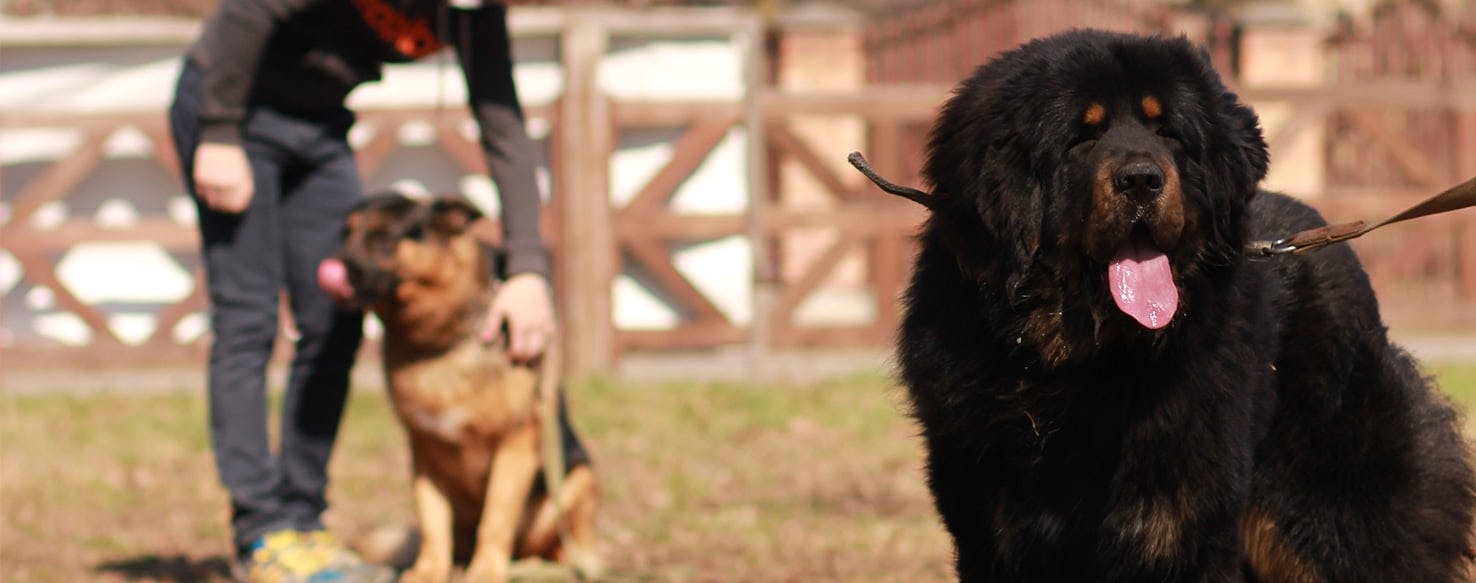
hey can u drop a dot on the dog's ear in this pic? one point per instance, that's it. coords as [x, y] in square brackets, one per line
[451, 216]
[1244, 137]
[987, 207]
[353, 220]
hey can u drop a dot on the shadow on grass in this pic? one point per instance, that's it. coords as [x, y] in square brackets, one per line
[174, 568]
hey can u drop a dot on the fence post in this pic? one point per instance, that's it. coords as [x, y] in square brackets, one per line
[760, 343]
[589, 243]
[1284, 50]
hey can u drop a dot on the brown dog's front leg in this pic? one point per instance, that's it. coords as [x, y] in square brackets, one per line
[573, 514]
[513, 466]
[433, 508]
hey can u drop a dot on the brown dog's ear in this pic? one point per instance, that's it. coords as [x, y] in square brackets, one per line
[451, 216]
[353, 220]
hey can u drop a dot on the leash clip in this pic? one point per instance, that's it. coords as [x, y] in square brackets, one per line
[1309, 239]
[1281, 247]
[1272, 248]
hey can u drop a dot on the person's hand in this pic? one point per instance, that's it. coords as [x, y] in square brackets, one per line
[523, 304]
[223, 177]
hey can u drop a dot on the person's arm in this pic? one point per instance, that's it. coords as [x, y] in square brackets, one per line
[484, 48]
[229, 53]
[523, 302]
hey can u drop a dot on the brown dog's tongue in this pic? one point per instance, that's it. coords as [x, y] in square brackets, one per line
[333, 278]
[1142, 284]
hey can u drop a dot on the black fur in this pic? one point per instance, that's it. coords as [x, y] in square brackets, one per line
[1269, 432]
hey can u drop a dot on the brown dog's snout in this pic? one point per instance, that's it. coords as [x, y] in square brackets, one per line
[1138, 178]
[371, 283]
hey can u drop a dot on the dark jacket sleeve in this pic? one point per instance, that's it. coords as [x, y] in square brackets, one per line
[484, 48]
[229, 52]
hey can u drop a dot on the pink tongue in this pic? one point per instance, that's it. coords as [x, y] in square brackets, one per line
[1142, 284]
[333, 278]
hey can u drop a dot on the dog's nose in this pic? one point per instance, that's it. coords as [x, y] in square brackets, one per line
[1140, 177]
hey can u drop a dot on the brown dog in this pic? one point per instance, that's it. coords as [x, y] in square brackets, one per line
[476, 421]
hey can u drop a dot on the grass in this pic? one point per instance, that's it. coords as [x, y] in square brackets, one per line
[812, 481]
[817, 481]
[1459, 381]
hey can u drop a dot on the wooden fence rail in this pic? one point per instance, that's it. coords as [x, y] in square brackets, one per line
[1430, 267]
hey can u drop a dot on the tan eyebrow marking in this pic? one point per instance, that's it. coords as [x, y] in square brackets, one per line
[1095, 113]
[1151, 107]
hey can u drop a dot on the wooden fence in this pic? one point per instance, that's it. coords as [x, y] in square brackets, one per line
[943, 40]
[1415, 267]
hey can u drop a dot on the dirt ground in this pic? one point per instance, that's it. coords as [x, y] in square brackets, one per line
[797, 481]
[700, 482]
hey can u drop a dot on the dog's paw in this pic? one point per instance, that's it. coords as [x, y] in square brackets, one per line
[483, 570]
[427, 573]
[586, 562]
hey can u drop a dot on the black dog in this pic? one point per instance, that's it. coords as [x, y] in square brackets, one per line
[1110, 389]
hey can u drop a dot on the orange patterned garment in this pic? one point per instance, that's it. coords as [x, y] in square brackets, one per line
[407, 35]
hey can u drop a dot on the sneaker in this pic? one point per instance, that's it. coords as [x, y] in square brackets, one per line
[341, 559]
[289, 556]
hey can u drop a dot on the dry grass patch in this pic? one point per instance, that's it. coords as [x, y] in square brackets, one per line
[701, 482]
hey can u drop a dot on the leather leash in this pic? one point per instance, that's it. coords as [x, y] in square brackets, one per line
[550, 370]
[1454, 198]
[550, 366]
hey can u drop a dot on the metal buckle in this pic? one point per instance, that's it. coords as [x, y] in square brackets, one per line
[1272, 248]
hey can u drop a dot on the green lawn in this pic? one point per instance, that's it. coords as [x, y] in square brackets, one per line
[795, 482]
[1459, 381]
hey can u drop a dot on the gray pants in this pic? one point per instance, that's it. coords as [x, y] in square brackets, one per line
[306, 183]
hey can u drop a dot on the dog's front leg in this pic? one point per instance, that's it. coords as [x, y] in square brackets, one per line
[514, 465]
[433, 508]
[1174, 506]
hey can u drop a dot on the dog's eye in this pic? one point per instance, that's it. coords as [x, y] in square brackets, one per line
[375, 239]
[1169, 133]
